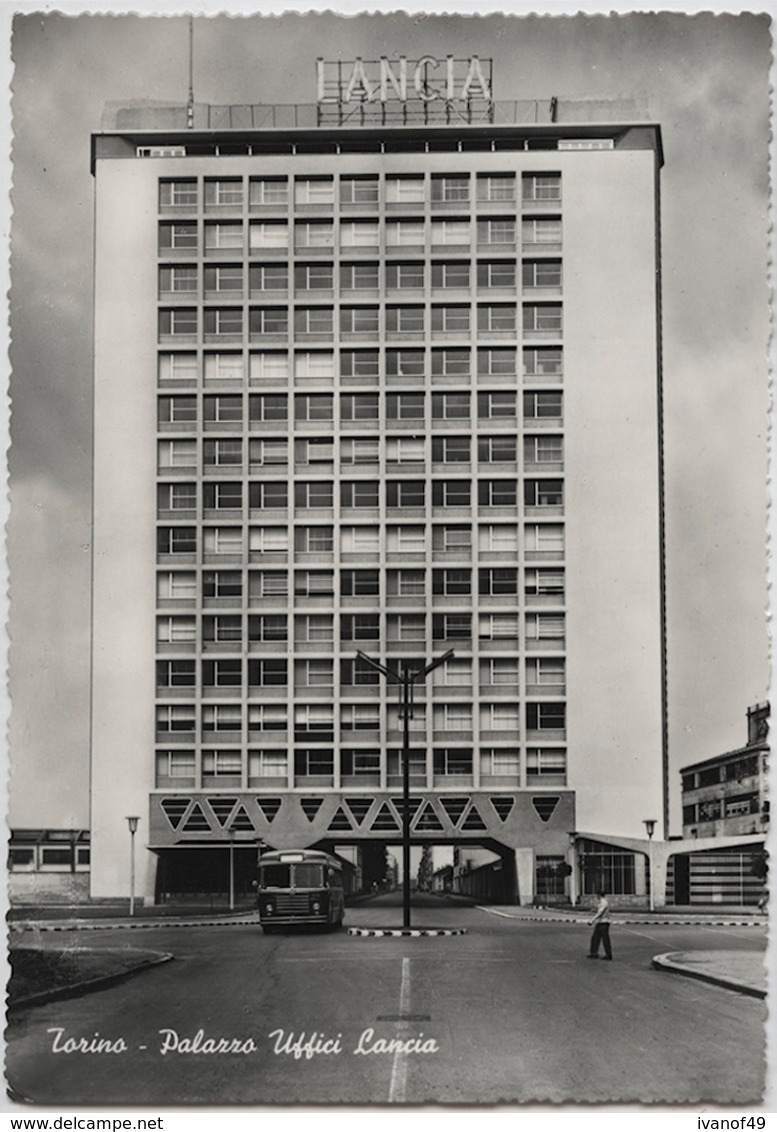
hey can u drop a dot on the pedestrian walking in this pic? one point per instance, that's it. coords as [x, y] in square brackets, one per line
[601, 932]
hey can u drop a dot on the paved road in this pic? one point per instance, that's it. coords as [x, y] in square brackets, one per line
[510, 1011]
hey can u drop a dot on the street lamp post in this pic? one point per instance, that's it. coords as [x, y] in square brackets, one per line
[231, 836]
[133, 825]
[406, 678]
[650, 826]
[572, 876]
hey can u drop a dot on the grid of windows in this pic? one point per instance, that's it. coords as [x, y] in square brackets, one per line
[417, 507]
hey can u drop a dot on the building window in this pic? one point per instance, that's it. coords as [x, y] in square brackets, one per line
[178, 321]
[358, 276]
[264, 277]
[405, 320]
[175, 717]
[176, 586]
[543, 405]
[449, 187]
[497, 493]
[500, 717]
[314, 190]
[315, 321]
[359, 540]
[263, 235]
[544, 582]
[314, 540]
[496, 187]
[267, 717]
[499, 230]
[313, 763]
[359, 583]
[268, 540]
[547, 670]
[354, 450]
[499, 273]
[268, 320]
[451, 449]
[315, 673]
[314, 583]
[174, 630]
[545, 361]
[405, 233]
[451, 493]
[451, 626]
[406, 540]
[453, 275]
[267, 494]
[221, 717]
[359, 320]
[541, 230]
[498, 627]
[450, 232]
[543, 449]
[358, 493]
[543, 493]
[405, 189]
[177, 279]
[223, 496]
[224, 235]
[268, 583]
[497, 363]
[545, 627]
[224, 367]
[176, 540]
[268, 453]
[177, 454]
[405, 406]
[314, 407]
[177, 367]
[267, 673]
[359, 406]
[450, 406]
[358, 233]
[267, 627]
[222, 453]
[359, 363]
[359, 627]
[176, 497]
[452, 582]
[223, 409]
[223, 540]
[222, 673]
[406, 583]
[178, 194]
[354, 673]
[267, 764]
[452, 760]
[405, 363]
[175, 764]
[498, 581]
[542, 319]
[359, 190]
[405, 276]
[499, 671]
[546, 761]
[502, 762]
[224, 192]
[452, 717]
[456, 538]
[265, 407]
[497, 319]
[314, 234]
[497, 449]
[451, 320]
[498, 537]
[313, 277]
[268, 365]
[224, 320]
[541, 186]
[222, 764]
[177, 236]
[314, 627]
[497, 405]
[222, 584]
[175, 673]
[405, 493]
[541, 273]
[268, 191]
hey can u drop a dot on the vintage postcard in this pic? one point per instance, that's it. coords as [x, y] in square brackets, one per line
[389, 660]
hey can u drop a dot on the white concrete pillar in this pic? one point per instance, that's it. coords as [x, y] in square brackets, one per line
[524, 871]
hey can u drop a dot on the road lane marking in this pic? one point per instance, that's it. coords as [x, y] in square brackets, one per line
[398, 1085]
[645, 935]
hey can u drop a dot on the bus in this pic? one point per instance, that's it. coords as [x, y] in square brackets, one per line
[300, 886]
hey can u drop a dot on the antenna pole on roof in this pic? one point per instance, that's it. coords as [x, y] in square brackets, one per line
[190, 104]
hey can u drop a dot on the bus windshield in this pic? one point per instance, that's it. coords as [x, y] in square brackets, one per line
[292, 876]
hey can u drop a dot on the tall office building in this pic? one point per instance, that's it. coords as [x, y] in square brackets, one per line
[386, 379]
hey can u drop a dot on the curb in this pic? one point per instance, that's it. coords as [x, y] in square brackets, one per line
[73, 990]
[666, 963]
[670, 922]
[139, 925]
[406, 931]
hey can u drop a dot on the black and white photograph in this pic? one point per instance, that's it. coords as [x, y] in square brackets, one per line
[388, 570]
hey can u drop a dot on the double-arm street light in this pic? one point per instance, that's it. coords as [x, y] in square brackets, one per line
[406, 678]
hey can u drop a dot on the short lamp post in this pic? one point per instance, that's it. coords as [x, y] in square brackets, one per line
[572, 874]
[407, 678]
[231, 836]
[650, 826]
[133, 825]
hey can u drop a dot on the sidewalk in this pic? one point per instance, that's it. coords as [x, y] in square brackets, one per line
[105, 917]
[736, 970]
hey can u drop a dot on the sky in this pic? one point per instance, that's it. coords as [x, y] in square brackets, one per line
[705, 80]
